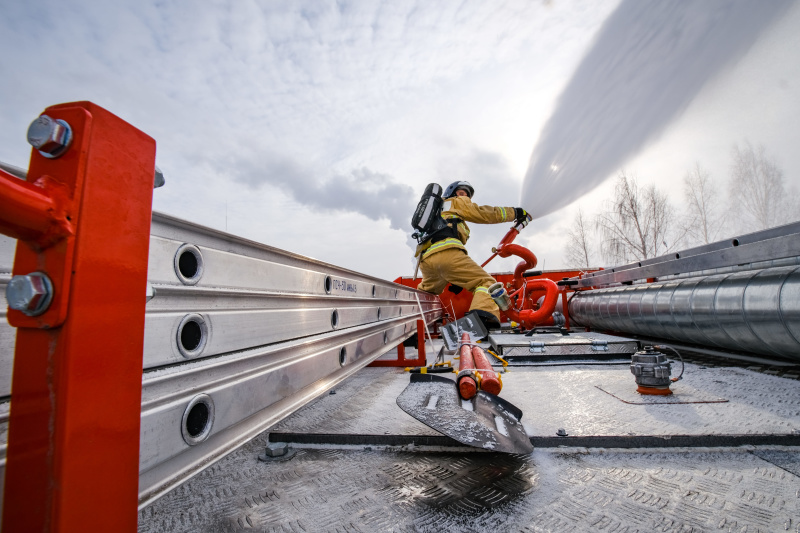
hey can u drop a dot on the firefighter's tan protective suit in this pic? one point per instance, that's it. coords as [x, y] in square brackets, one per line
[446, 261]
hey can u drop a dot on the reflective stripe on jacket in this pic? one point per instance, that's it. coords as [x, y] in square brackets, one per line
[461, 207]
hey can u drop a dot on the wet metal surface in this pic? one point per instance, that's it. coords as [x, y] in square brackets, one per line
[484, 421]
[363, 465]
[573, 490]
[571, 398]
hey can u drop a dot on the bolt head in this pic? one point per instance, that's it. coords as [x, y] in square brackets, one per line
[30, 294]
[158, 179]
[276, 449]
[50, 136]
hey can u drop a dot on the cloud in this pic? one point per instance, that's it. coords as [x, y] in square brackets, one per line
[489, 173]
[648, 62]
[373, 194]
[342, 105]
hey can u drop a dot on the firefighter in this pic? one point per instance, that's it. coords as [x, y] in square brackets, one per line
[444, 258]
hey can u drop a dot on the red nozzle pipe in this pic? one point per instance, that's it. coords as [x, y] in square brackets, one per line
[529, 318]
[507, 239]
[528, 262]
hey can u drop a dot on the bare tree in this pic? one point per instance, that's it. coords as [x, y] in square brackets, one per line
[704, 216]
[580, 244]
[757, 192]
[637, 223]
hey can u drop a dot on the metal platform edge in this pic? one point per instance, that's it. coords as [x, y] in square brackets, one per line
[584, 441]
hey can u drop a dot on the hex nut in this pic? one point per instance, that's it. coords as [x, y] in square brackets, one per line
[276, 449]
[158, 178]
[30, 294]
[51, 137]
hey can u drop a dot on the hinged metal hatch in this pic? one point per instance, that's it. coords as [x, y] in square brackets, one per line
[519, 349]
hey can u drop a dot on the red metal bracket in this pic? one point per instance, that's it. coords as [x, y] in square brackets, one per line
[83, 219]
[401, 360]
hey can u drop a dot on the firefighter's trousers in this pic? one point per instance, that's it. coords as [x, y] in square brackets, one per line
[453, 265]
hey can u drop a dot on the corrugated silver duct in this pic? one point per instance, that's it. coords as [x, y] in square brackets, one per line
[755, 311]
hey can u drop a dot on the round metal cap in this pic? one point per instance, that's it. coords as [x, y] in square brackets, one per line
[30, 294]
[51, 137]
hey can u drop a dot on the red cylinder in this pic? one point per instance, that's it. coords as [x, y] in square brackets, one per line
[467, 387]
[489, 380]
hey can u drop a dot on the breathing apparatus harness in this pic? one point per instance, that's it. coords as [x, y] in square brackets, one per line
[428, 220]
[447, 228]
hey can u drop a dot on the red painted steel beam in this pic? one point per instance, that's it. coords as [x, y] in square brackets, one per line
[73, 445]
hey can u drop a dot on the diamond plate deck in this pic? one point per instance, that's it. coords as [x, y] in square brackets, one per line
[568, 397]
[330, 490]
[367, 486]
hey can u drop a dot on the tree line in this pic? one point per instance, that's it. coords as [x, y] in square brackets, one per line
[640, 222]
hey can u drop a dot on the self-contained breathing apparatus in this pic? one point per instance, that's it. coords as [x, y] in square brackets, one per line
[427, 219]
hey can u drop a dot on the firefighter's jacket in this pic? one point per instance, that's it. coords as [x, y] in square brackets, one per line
[461, 210]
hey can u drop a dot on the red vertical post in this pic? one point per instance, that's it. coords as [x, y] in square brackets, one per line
[73, 445]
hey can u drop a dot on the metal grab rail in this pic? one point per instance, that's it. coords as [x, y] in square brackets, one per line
[782, 242]
[73, 448]
[14, 171]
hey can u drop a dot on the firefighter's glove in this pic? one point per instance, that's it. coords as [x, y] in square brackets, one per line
[522, 217]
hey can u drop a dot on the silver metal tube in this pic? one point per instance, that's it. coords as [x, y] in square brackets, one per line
[500, 296]
[754, 311]
[16, 171]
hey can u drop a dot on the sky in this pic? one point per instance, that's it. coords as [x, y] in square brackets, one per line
[315, 126]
